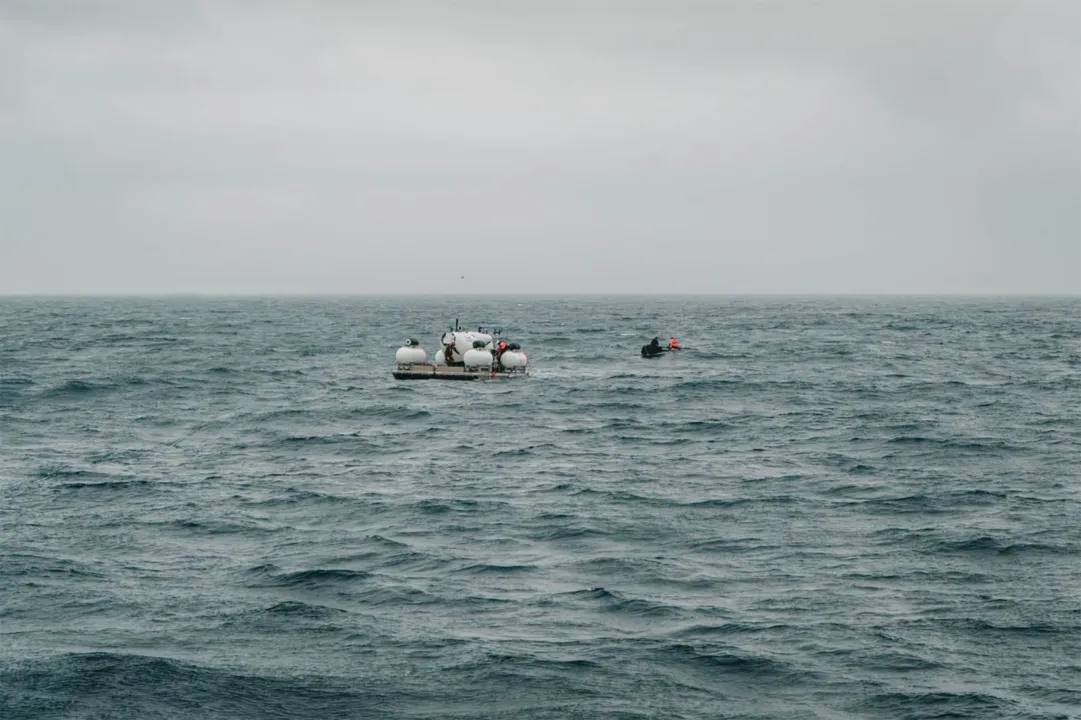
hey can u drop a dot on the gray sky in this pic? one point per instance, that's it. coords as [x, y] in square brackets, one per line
[894, 146]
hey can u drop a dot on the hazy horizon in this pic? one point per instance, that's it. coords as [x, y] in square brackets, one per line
[601, 148]
[564, 295]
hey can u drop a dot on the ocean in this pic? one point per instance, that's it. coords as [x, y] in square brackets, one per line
[226, 507]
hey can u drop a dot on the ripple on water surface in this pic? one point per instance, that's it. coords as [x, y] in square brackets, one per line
[822, 508]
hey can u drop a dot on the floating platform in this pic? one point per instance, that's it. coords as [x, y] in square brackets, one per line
[428, 371]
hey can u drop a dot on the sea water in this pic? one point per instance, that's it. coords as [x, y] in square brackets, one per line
[820, 508]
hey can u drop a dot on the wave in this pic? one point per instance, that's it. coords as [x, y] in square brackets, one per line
[979, 495]
[352, 439]
[524, 451]
[699, 426]
[270, 576]
[11, 385]
[623, 424]
[918, 503]
[999, 546]
[731, 664]
[921, 503]
[648, 570]
[125, 485]
[616, 497]
[51, 472]
[387, 542]
[295, 496]
[413, 561]
[288, 615]
[727, 545]
[439, 506]
[701, 631]
[526, 664]
[974, 444]
[569, 532]
[383, 553]
[726, 503]
[391, 413]
[930, 541]
[1026, 629]
[896, 660]
[108, 684]
[369, 588]
[80, 388]
[707, 384]
[77, 388]
[215, 527]
[941, 704]
[496, 569]
[29, 565]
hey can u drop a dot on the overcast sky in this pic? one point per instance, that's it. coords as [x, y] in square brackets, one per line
[892, 146]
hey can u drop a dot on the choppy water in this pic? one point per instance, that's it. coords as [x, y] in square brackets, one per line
[851, 508]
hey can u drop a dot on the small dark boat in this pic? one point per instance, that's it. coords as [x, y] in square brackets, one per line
[651, 352]
[655, 349]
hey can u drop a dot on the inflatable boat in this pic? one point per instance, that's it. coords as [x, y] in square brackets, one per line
[648, 352]
[655, 349]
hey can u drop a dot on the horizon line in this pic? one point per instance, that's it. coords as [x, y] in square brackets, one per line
[551, 294]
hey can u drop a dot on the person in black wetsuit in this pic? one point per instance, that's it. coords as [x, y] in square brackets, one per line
[654, 348]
